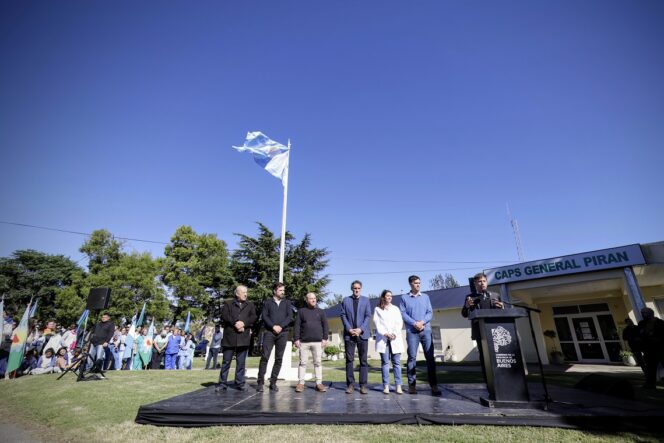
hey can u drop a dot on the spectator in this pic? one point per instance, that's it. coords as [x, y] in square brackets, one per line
[140, 350]
[61, 360]
[122, 344]
[69, 339]
[187, 347]
[160, 342]
[215, 347]
[53, 338]
[45, 364]
[172, 349]
[29, 362]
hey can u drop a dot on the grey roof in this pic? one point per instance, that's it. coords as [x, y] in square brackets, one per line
[440, 299]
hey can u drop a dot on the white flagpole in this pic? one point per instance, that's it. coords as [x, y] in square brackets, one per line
[282, 250]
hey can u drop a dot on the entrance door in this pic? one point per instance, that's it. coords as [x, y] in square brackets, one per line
[589, 337]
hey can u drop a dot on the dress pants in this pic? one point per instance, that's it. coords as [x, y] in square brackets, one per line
[271, 340]
[362, 351]
[240, 359]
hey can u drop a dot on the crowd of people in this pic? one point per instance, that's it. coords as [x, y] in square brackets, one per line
[50, 348]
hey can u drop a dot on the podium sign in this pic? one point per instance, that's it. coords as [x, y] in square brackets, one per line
[503, 361]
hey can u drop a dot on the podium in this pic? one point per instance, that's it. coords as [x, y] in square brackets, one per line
[503, 361]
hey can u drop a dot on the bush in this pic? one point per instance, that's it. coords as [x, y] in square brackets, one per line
[332, 350]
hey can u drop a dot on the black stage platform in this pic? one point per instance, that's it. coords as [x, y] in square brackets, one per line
[459, 404]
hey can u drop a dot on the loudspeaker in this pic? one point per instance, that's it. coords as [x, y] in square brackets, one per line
[605, 384]
[98, 298]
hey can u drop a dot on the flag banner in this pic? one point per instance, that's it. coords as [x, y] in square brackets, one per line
[2, 319]
[33, 311]
[146, 352]
[18, 343]
[186, 323]
[140, 317]
[270, 155]
[80, 327]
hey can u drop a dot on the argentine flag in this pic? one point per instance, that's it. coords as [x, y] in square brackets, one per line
[270, 155]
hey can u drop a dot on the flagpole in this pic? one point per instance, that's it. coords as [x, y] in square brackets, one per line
[282, 250]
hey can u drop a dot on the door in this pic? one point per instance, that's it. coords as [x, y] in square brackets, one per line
[588, 337]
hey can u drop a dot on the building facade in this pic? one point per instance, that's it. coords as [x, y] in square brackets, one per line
[584, 298]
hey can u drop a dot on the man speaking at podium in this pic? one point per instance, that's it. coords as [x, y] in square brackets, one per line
[480, 299]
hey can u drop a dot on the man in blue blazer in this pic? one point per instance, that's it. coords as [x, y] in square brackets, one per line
[355, 315]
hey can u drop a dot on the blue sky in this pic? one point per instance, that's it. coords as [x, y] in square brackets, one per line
[412, 124]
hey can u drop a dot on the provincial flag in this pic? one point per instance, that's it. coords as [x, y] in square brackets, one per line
[270, 155]
[18, 342]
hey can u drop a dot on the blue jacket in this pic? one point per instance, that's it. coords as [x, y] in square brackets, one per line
[363, 316]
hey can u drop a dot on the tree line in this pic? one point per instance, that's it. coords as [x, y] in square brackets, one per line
[196, 274]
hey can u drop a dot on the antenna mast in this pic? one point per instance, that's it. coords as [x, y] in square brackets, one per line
[517, 234]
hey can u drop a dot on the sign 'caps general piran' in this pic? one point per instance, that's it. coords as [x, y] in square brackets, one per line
[568, 264]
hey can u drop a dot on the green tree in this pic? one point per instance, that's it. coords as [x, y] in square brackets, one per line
[133, 278]
[255, 263]
[332, 300]
[443, 282]
[30, 274]
[196, 270]
[102, 250]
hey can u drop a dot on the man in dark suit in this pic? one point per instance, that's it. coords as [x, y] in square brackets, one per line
[277, 318]
[480, 299]
[237, 317]
[355, 315]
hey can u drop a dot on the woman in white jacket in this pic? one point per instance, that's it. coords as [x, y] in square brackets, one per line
[389, 344]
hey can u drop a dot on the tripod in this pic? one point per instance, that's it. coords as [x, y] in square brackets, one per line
[81, 364]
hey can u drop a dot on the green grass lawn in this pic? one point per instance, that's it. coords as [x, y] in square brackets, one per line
[65, 410]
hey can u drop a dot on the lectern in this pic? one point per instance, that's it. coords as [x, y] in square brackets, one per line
[503, 361]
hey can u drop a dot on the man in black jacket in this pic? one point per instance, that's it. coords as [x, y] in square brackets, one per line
[101, 336]
[310, 335]
[237, 317]
[651, 333]
[277, 318]
[481, 299]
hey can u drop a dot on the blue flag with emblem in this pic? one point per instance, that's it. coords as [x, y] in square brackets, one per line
[270, 155]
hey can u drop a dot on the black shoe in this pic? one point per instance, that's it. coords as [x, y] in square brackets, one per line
[259, 387]
[274, 387]
[435, 391]
[242, 388]
[220, 388]
[412, 389]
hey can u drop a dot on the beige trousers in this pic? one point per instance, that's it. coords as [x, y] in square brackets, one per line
[315, 349]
